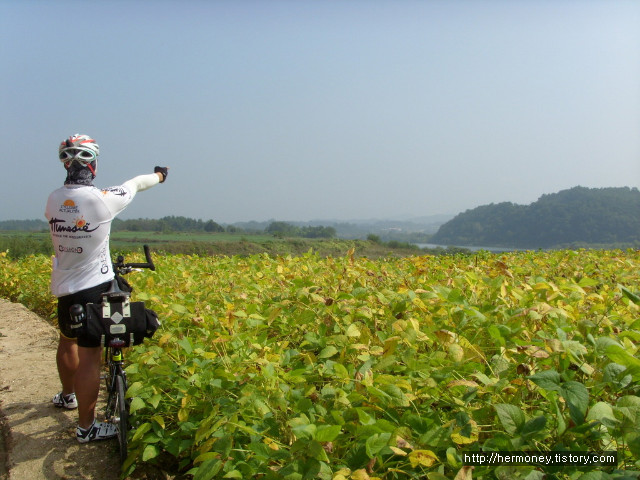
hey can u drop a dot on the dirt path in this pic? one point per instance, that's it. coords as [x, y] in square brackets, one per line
[41, 438]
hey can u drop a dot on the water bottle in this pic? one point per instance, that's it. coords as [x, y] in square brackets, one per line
[78, 316]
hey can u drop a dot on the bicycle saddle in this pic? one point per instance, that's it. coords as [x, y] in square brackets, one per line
[115, 293]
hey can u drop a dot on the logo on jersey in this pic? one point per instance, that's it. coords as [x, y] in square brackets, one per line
[121, 192]
[69, 206]
[79, 225]
[70, 249]
[104, 260]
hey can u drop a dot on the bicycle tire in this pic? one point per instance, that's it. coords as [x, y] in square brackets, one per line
[123, 415]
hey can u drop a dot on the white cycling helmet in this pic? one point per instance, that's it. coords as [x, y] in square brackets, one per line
[80, 148]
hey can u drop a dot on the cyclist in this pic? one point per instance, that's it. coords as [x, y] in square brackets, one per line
[80, 217]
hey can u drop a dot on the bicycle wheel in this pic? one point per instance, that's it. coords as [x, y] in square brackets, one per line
[123, 415]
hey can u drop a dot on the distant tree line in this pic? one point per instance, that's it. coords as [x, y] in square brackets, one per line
[185, 224]
[284, 229]
[387, 230]
[188, 225]
[585, 216]
[576, 217]
[164, 225]
[167, 224]
[24, 225]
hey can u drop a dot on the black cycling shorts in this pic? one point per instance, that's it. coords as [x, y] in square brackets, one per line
[89, 295]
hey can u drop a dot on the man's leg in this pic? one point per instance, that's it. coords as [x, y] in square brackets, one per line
[87, 384]
[67, 361]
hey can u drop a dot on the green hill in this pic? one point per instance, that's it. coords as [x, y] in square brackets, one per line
[578, 216]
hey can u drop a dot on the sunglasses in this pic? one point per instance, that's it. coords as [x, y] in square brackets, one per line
[77, 154]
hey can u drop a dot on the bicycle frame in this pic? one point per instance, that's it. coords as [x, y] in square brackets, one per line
[114, 360]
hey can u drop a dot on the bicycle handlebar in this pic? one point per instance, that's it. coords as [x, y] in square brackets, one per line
[120, 267]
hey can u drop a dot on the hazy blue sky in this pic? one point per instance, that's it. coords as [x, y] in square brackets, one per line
[300, 110]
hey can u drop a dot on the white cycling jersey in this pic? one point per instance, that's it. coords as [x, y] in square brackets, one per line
[80, 221]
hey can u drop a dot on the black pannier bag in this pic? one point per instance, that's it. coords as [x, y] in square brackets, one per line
[118, 317]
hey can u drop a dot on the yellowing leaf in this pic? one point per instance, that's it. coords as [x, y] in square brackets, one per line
[472, 353]
[353, 331]
[465, 473]
[425, 458]
[466, 383]
[360, 474]
[164, 339]
[402, 443]
[271, 443]
[342, 474]
[399, 326]
[455, 352]
[398, 451]
[445, 336]
[460, 438]
[418, 303]
[159, 420]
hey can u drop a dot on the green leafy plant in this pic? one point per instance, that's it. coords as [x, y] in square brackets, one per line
[349, 368]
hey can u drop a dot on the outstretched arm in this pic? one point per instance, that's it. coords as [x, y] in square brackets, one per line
[143, 182]
[117, 198]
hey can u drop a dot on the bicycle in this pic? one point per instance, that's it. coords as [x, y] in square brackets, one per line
[117, 323]
[117, 407]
